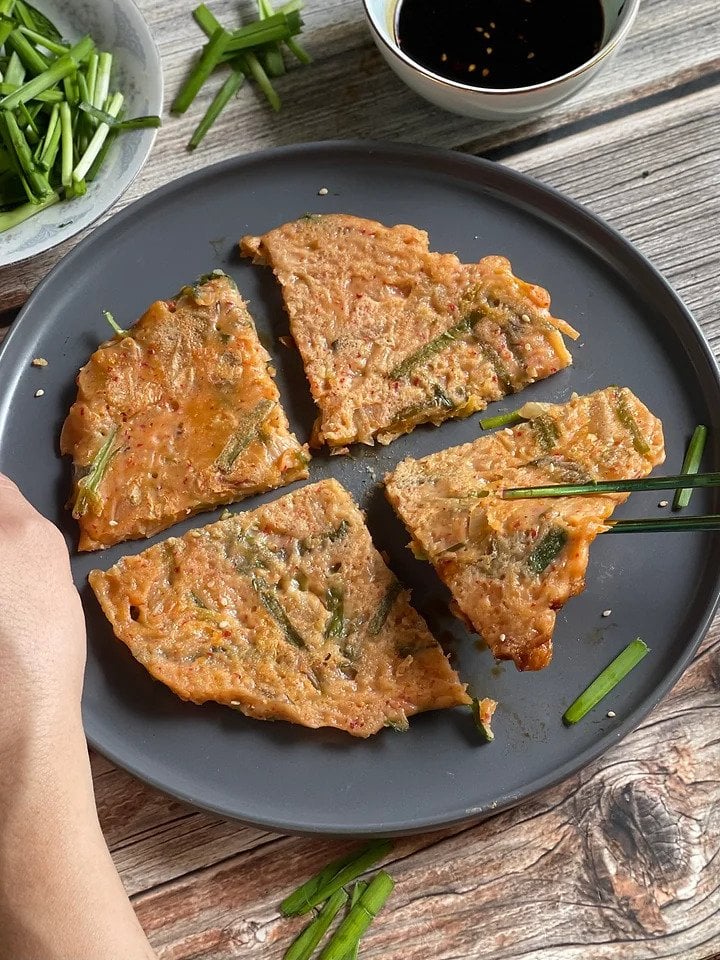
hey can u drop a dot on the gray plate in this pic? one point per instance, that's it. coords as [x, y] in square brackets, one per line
[635, 331]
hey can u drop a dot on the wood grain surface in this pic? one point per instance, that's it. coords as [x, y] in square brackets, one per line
[621, 862]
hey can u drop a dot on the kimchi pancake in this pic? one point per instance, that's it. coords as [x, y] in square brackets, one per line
[286, 612]
[176, 415]
[511, 564]
[393, 335]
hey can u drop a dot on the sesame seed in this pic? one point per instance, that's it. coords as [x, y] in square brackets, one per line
[502, 637]
[39, 393]
[39, 362]
[525, 318]
[472, 67]
[611, 714]
[486, 35]
[663, 503]
[224, 624]
[488, 50]
[492, 25]
[606, 613]
[323, 192]
[234, 703]
[112, 523]
[530, 56]
[485, 73]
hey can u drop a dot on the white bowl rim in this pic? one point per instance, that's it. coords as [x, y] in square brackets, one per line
[608, 47]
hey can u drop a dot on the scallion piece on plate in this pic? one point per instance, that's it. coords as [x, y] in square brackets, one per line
[502, 420]
[338, 873]
[114, 324]
[606, 681]
[691, 465]
[482, 711]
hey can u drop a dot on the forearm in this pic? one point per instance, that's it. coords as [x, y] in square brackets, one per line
[60, 895]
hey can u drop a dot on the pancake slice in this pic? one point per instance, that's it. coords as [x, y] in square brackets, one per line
[286, 612]
[176, 416]
[511, 564]
[392, 335]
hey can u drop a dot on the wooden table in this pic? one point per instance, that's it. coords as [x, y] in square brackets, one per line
[622, 861]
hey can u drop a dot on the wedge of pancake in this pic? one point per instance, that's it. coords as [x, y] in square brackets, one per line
[511, 564]
[176, 416]
[392, 335]
[286, 612]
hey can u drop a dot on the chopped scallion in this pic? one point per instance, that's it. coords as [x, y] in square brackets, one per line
[331, 878]
[606, 681]
[359, 918]
[691, 465]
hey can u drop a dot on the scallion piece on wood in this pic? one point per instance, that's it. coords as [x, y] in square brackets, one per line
[209, 59]
[261, 78]
[271, 55]
[226, 92]
[206, 20]
[502, 420]
[606, 681]
[303, 946]
[709, 521]
[358, 890]
[253, 50]
[338, 873]
[613, 486]
[691, 465]
[280, 26]
[359, 918]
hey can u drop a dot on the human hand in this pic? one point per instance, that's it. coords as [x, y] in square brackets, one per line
[60, 895]
[42, 628]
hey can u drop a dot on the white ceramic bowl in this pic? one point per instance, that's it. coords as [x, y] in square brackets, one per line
[116, 26]
[483, 102]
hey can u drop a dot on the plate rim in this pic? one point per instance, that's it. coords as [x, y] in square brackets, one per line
[581, 217]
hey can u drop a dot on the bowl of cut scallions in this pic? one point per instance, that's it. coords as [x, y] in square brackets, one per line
[80, 96]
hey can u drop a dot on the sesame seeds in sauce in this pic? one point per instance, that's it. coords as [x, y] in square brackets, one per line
[500, 44]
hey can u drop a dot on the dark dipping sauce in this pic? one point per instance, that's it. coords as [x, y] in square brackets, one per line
[500, 43]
